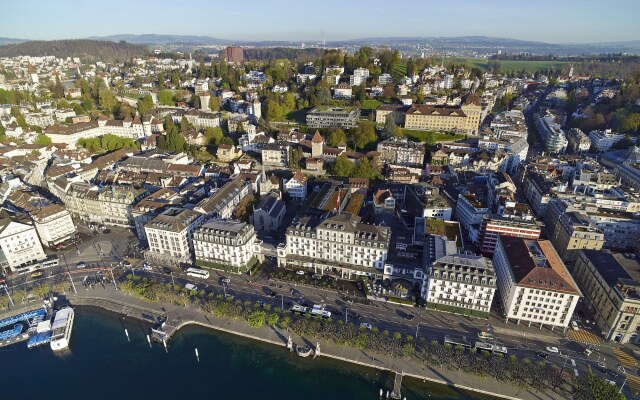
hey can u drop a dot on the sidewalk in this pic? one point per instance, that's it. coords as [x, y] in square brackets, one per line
[180, 316]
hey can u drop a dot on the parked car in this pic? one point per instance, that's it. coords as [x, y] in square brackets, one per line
[542, 355]
[224, 280]
[81, 264]
[37, 274]
[553, 350]
[272, 294]
[126, 263]
[166, 270]
[190, 286]
[574, 326]
[408, 317]
[300, 272]
[316, 276]
[366, 325]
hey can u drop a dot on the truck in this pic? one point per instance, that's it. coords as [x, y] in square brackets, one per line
[317, 310]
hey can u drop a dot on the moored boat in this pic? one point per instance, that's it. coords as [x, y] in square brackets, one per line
[61, 329]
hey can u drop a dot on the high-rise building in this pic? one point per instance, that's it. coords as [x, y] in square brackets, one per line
[232, 54]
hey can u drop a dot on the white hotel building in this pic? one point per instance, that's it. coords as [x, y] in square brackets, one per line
[170, 236]
[19, 243]
[460, 283]
[223, 243]
[533, 282]
[338, 243]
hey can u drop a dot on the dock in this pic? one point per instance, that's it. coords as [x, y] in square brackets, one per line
[397, 384]
[28, 318]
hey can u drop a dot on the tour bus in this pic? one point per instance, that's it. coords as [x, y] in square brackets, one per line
[198, 273]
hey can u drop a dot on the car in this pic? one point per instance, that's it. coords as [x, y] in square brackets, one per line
[553, 350]
[542, 355]
[272, 294]
[299, 272]
[147, 267]
[316, 276]
[225, 280]
[587, 352]
[485, 335]
[190, 286]
[260, 303]
[366, 325]
[166, 270]
[37, 274]
[81, 265]
[126, 263]
[105, 231]
[620, 368]
[574, 326]
[408, 317]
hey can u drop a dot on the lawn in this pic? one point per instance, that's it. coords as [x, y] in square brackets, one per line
[399, 70]
[508, 65]
[420, 136]
[371, 104]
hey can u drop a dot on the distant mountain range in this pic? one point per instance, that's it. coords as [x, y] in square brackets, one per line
[467, 45]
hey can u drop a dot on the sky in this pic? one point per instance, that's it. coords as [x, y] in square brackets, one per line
[553, 21]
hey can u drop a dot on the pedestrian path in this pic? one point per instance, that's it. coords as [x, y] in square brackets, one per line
[625, 358]
[584, 336]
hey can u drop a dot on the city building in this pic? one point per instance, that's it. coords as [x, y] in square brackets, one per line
[296, 187]
[579, 143]
[233, 54]
[554, 138]
[224, 200]
[226, 245]
[570, 231]
[269, 214]
[169, 236]
[402, 152]
[275, 155]
[20, 246]
[462, 284]
[516, 219]
[333, 117]
[464, 118]
[470, 211]
[602, 141]
[338, 244]
[611, 294]
[533, 282]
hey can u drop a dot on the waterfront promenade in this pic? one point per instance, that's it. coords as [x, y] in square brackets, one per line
[179, 316]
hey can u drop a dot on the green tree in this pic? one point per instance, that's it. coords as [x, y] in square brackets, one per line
[342, 166]
[43, 139]
[631, 122]
[274, 110]
[174, 141]
[15, 112]
[295, 157]
[213, 135]
[257, 319]
[185, 125]
[107, 100]
[215, 103]
[594, 388]
[337, 137]
[165, 97]
[58, 89]
[364, 168]
[390, 128]
[145, 104]
[288, 102]
[3, 135]
[365, 134]
[226, 140]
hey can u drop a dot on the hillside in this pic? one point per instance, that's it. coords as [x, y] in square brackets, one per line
[87, 50]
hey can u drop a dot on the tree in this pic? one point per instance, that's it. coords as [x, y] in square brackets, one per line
[214, 103]
[107, 100]
[365, 134]
[594, 388]
[366, 169]
[185, 125]
[2, 133]
[274, 110]
[213, 135]
[390, 129]
[145, 104]
[226, 140]
[295, 156]
[165, 97]
[337, 137]
[15, 112]
[43, 139]
[342, 166]
[58, 89]
[175, 142]
[244, 208]
[631, 122]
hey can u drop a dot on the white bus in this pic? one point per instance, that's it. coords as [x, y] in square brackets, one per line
[198, 273]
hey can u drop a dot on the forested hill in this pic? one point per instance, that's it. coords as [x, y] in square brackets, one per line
[87, 50]
[270, 53]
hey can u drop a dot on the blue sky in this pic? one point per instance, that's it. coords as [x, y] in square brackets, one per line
[556, 21]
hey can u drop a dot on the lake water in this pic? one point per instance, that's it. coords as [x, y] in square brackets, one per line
[101, 364]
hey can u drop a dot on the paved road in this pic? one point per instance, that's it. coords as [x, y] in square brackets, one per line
[427, 324]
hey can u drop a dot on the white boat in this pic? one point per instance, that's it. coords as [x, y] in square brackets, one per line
[61, 329]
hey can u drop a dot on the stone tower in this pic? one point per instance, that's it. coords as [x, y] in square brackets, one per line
[317, 144]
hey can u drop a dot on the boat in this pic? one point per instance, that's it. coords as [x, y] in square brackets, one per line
[303, 351]
[61, 329]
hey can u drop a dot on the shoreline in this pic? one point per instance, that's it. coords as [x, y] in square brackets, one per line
[136, 312]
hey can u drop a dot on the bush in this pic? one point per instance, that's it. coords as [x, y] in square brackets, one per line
[257, 319]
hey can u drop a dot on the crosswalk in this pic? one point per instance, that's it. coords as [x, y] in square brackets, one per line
[630, 363]
[584, 336]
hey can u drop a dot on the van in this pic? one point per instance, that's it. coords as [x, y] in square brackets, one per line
[190, 286]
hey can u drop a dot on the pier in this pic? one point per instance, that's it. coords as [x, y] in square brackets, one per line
[29, 318]
[397, 384]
